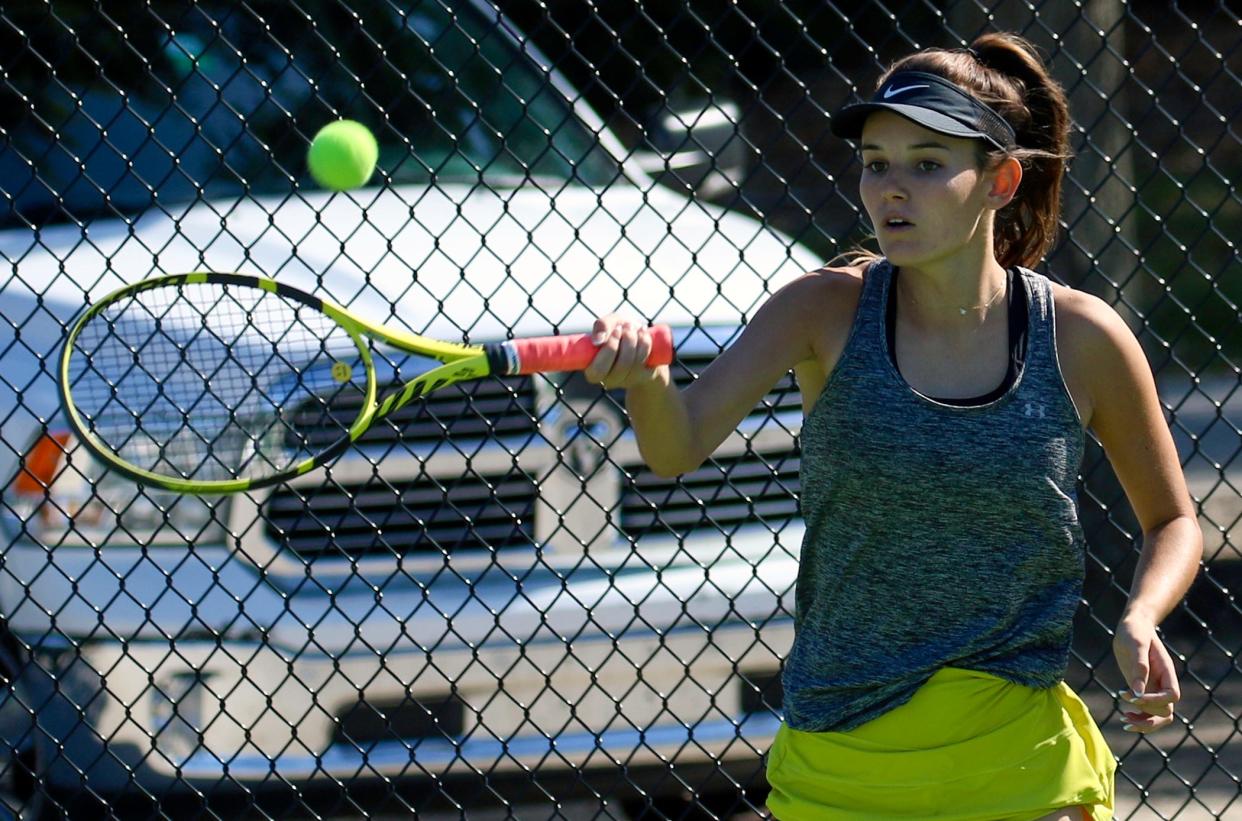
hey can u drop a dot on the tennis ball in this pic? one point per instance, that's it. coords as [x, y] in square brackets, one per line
[343, 155]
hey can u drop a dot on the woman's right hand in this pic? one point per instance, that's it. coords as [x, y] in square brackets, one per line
[624, 345]
[676, 429]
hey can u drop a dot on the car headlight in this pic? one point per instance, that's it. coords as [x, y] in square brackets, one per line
[62, 496]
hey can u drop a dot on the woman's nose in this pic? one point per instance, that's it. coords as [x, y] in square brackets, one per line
[894, 191]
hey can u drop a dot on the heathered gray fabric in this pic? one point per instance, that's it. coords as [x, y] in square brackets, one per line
[936, 535]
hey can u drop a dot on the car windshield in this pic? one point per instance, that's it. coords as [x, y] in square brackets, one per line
[226, 107]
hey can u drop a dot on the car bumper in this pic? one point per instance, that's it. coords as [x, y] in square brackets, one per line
[625, 684]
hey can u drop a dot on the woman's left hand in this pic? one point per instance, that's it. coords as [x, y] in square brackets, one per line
[1148, 667]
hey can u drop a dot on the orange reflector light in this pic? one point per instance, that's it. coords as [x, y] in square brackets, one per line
[41, 463]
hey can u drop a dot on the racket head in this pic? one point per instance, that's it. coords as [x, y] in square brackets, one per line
[203, 383]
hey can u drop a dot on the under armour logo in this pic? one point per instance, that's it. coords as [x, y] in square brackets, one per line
[1034, 411]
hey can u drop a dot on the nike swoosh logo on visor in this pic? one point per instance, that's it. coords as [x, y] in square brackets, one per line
[890, 92]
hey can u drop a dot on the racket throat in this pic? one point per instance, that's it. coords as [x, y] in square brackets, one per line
[502, 358]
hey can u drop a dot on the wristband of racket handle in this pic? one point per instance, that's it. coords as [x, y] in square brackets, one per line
[546, 354]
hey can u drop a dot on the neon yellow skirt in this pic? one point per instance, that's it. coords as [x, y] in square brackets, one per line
[969, 746]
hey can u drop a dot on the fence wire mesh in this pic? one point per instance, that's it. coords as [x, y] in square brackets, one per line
[490, 607]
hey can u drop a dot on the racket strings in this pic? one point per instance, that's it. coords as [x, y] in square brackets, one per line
[194, 381]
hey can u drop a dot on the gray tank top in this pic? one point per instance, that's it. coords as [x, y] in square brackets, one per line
[937, 535]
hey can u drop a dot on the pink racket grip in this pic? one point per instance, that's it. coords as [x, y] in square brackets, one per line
[546, 354]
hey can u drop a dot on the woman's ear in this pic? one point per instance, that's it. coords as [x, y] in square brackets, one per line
[1006, 177]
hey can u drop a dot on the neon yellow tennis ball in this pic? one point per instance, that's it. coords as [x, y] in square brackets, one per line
[343, 155]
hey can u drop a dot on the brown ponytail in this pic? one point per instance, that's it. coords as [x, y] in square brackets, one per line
[1005, 72]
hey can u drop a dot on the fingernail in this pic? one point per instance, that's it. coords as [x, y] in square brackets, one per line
[1129, 728]
[598, 339]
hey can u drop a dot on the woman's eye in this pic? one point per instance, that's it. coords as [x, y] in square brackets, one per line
[928, 165]
[875, 166]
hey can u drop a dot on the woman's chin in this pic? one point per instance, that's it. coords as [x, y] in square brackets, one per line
[900, 256]
[907, 255]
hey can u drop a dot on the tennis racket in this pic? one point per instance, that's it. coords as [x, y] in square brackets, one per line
[211, 383]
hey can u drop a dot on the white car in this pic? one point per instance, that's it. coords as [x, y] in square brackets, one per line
[489, 599]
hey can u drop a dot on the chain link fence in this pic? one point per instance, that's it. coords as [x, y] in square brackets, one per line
[490, 608]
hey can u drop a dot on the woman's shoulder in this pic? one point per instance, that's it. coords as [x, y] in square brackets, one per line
[829, 286]
[1093, 344]
[1085, 321]
[823, 299]
[832, 275]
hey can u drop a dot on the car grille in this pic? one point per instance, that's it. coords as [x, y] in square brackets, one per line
[365, 723]
[419, 515]
[723, 494]
[496, 406]
[432, 513]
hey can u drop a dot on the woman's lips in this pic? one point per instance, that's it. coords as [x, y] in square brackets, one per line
[896, 226]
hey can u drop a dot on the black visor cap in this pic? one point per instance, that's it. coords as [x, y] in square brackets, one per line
[932, 102]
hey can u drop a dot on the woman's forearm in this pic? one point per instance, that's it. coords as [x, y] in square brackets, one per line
[661, 423]
[1167, 567]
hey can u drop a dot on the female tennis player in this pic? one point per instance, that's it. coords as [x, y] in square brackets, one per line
[947, 388]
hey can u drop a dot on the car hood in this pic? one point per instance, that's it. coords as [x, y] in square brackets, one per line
[454, 262]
